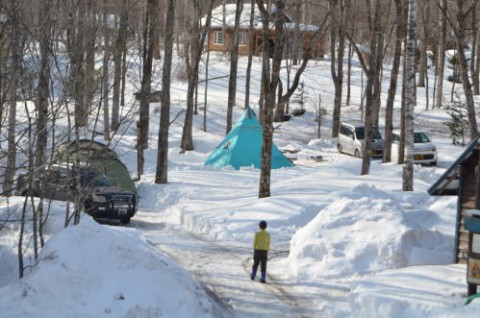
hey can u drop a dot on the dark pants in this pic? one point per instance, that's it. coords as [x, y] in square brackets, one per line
[260, 257]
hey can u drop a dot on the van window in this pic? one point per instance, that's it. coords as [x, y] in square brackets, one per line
[360, 133]
[346, 131]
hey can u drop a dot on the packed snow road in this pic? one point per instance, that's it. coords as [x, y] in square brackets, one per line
[223, 270]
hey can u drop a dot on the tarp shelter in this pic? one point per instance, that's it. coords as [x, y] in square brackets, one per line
[242, 147]
[98, 156]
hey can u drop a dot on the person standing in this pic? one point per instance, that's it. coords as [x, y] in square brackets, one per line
[261, 245]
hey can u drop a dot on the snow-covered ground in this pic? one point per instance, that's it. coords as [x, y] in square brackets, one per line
[343, 245]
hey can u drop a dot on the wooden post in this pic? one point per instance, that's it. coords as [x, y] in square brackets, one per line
[140, 157]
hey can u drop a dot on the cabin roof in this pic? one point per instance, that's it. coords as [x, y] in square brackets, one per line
[447, 184]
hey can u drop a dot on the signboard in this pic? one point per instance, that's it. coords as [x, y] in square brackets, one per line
[473, 271]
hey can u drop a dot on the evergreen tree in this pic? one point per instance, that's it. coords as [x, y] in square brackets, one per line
[458, 123]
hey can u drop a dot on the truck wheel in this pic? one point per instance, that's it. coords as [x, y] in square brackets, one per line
[357, 153]
[339, 148]
[125, 220]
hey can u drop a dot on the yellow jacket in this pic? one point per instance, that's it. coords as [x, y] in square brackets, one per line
[261, 240]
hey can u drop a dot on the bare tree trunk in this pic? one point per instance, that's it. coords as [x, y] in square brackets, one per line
[151, 32]
[440, 60]
[467, 88]
[337, 27]
[43, 94]
[16, 49]
[474, 53]
[296, 33]
[78, 66]
[162, 159]
[192, 59]
[120, 44]
[372, 71]
[232, 83]
[90, 37]
[270, 81]
[392, 90]
[251, 43]
[106, 74]
[422, 69]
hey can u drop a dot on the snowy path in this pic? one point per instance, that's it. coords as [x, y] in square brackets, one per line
[223, 271]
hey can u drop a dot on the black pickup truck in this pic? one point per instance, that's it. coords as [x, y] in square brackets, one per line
[100, 198]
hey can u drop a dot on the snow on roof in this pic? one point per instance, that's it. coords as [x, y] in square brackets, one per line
[217, 18]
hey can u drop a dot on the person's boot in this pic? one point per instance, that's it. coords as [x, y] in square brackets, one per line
[263, 278]
[253, 274]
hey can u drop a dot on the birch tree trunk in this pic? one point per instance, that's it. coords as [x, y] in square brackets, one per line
[410, 95]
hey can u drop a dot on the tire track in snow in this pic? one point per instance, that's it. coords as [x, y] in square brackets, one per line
[223, 271]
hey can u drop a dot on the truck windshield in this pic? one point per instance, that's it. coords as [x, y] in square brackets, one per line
[95, 179]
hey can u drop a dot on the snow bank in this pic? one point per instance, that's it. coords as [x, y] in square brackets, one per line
[120, 277]
[401, 293]
[368, 230]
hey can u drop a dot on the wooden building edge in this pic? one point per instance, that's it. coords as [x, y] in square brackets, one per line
[460, 180]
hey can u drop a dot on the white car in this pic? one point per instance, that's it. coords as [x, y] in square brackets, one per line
[351, 138]
[424, 151]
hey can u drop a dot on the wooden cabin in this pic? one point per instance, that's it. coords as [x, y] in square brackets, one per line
[463, 180]
[222, 25]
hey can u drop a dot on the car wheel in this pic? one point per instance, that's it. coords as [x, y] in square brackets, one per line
[357, 153]
[125, 220]
[339, 148]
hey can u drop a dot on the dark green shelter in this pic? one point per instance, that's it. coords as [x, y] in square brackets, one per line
[99, 156]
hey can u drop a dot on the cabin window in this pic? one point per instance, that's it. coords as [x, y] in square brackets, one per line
[218, 37]
[242, 38]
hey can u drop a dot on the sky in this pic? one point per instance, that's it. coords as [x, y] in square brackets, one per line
[342, 244]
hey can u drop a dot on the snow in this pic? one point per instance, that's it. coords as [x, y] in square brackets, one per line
[343, 244]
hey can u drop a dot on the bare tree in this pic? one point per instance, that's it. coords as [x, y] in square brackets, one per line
[251, 43]
[371, 67]
[232, 82]
[270, 80]
[459, 28]
[440, 58]
[399, 26]
[149, 44]
[162, 158]
[106, 73]
[118, 50]
[337, 52]
[193, 54]
[16, 47]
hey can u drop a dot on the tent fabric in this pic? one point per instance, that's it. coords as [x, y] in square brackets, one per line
[98, 156]
[242, 147]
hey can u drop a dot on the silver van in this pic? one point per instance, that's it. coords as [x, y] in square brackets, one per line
[351, 138]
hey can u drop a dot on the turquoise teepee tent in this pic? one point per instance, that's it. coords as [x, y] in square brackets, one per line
[242, 147]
